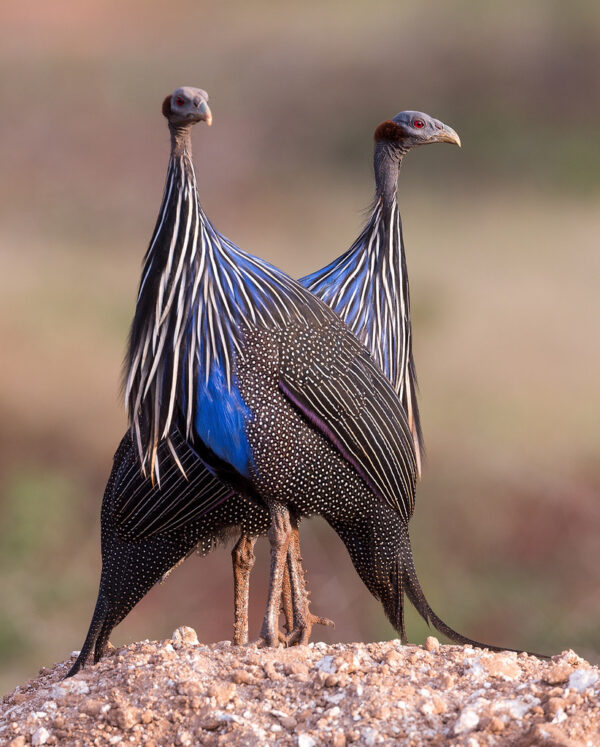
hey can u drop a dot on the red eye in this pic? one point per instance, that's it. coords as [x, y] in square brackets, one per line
[419, 124]
[180, 101]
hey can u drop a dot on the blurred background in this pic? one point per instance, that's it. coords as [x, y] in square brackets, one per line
[503, 256]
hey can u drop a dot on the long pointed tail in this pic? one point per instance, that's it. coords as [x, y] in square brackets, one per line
[97, 636]
[412, 587]
[379, 545]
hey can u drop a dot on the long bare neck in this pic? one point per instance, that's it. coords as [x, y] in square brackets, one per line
[181, 139]
[386, 163]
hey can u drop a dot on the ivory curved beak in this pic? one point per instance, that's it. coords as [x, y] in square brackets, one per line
[205, 112]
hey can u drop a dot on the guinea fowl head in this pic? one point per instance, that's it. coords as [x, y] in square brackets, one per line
[186, 106]
[409, 129]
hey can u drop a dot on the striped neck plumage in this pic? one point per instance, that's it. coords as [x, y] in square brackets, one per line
[197, 294]
[368, 287]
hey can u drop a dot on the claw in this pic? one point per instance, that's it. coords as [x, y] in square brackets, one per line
[300, 634]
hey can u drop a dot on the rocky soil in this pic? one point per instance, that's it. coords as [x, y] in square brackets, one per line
[182, 692]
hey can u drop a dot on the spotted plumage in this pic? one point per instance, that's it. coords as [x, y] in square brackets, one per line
[221, 336]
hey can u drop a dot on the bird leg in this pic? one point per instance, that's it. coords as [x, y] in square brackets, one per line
[279, 534]
[243, 559]
[287, 605]
[304, 620]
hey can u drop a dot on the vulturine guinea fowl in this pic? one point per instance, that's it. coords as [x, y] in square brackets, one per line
[259, 352]
[368, 286]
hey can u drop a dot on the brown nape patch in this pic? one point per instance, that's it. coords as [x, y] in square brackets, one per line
[389, 130]
[166, 107]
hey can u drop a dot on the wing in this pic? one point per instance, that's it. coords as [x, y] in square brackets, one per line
[331, 378]
[142, 509]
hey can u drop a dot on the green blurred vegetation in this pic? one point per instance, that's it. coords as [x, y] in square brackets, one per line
[502, 241]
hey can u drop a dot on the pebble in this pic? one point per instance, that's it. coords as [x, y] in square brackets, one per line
[581, 679]
[305, 740]
[500, 666]
[40, 736]
[270, 672]
[467, 721]
[326, 664]
[222, 692]
[557, 673]
[431, 643]
[184, 636]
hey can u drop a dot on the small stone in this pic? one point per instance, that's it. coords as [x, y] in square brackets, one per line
[92, 707]
[184, 738]
[73, 686]
[554, 705]
[467, 721]
[210, 724]
[146, 717]
[125, 717]
[557, 673]
[270, 671]
[431, 643]
[547, 735]
[573, 698]
[288, 722]
[40, 736]
[581, 679]
[17, 742]
[370, 736]
[338, 739]
[515, 707]
[381, 713]
[222, 693]
[392, 658]
[242, 677]
[501, 666]
[305, 740]
[496, 725]
[331, 680]
[433, 706]
[347, 662]
[296, 667]
[184, 636]
[326, 664]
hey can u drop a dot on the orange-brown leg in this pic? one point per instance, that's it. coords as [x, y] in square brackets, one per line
[279, 534]
[243, 561]
[287, 605]
[304, 620]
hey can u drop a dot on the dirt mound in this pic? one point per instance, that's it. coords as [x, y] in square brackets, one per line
[181, 692]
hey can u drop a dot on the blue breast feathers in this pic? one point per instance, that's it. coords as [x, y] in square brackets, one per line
[221, 416]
